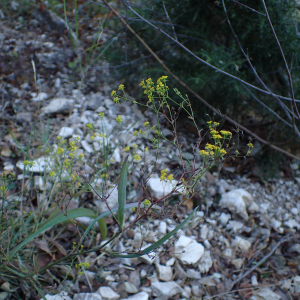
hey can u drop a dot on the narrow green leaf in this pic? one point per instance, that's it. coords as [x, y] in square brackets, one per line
[122, 192]
[39, 290]
[74, 213]
[159, 242]
[103, 228]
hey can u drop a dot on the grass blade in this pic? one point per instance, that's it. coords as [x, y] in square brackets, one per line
[74, 213]
[122, 192]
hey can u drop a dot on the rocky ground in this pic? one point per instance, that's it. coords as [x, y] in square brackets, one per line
[243, 242]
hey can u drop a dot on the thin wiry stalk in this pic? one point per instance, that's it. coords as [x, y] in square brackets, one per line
[284, 60]
[282, 105]
[203, 61]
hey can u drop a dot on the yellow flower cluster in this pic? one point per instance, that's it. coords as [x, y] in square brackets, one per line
[150, 88]
[28, 163]
[137, 133]
[67, 163]
[161, 87]
[219, 139]
[137, 157]
[119, 119]
[89, 126]
[163, 175]
[60, 150]
[147, 202]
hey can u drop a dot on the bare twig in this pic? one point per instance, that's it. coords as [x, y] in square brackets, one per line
[284, 60]
[170, 21]
[197, 57]
[284, 239]
[250, 8]
[282, 105]
[195, 94]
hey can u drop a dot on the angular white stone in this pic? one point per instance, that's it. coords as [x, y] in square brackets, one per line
[87, 296]
[130, 288]
[253, 208]
[275, 224]
[292, 223]
[41, 165]
[241, 243]
[254, 280]
[58, 105]
[116, 156]
[265, 294]
[159, 189]
[139, 296]
[188, 250]
[223, 218]
[170, 262]
[162, 227]
[205, 262]
[61, 296]
[87, 147]
[39, 97]
[236, 201]
[66, 132]
[234, 225]
[238, 263]
[165, 290]
[191, 273]
[108, 293]
[164, 273]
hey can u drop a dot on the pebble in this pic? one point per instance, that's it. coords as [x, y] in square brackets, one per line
[108, 293]
[165, 290]
[87, 296]
[237, 201]
[165, 273]
[188, 250]
[66, 132]
[58, 105]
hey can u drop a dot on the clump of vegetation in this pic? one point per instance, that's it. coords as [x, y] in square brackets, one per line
[27, 264]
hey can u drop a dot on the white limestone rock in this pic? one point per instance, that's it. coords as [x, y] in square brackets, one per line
[234, 225]
[264, 294]
[87, 147]
[165, 290]
[108, 293]
[66, 132]
[223, 218]
[41, 165]
[291, 223]
[61, 296]
[24, 117]
[237, 201]
[130, 288]
[188, 250]
[164, 272]
[205, 262]
[241, 243]
[159, 189]
[162, 227]
[87, 296]
[238, 263]
[39, 97]
[139, 296]
[58, 105]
